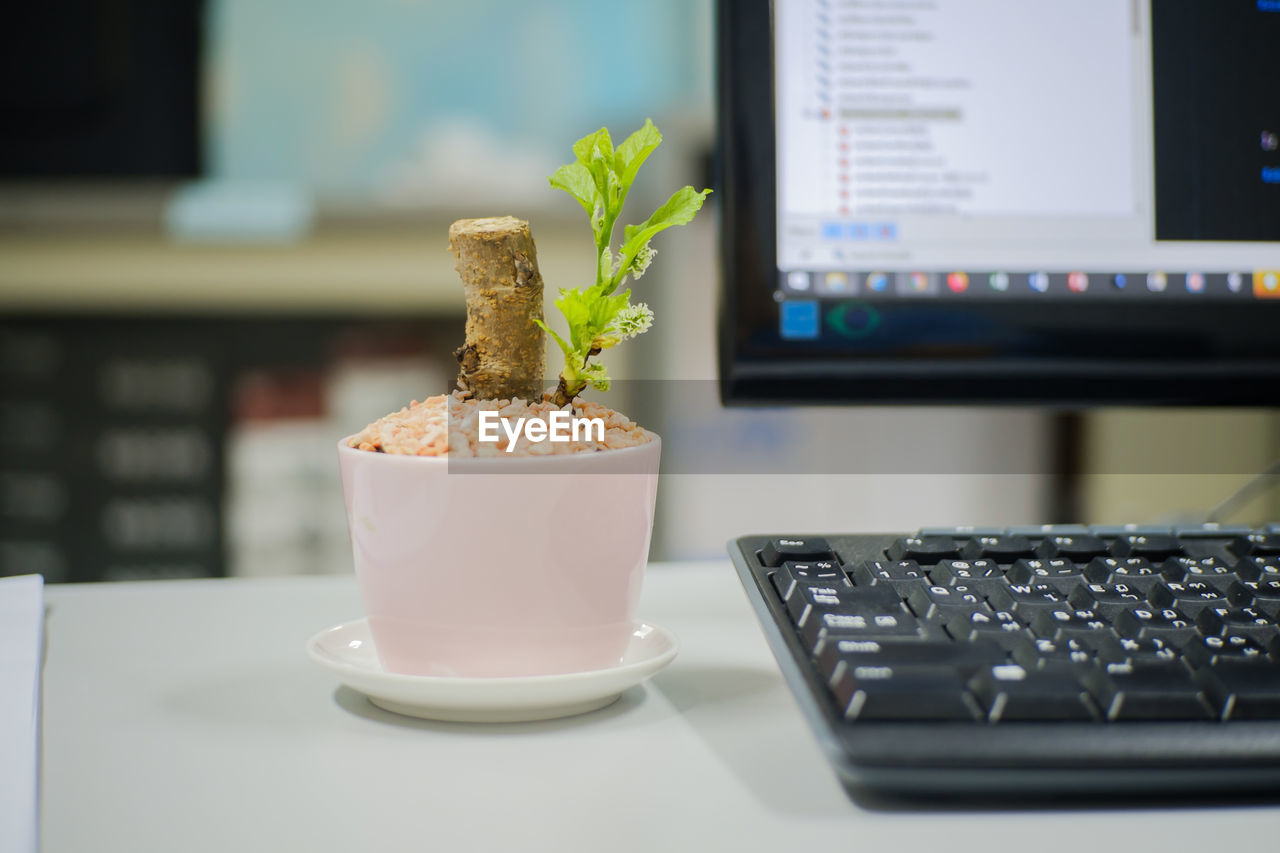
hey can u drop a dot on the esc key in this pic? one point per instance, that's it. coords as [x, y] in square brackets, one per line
[779, 551]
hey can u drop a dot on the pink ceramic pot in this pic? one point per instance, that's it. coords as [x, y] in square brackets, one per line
[500, 566]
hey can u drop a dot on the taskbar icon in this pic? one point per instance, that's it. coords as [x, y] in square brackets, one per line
[1029, 284]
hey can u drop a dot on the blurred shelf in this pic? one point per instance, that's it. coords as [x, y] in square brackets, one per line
[70, 249]
[350, 273]
[357, 272]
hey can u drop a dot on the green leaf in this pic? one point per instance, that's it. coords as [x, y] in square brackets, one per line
[600, 173]
[632, 153]
[680, 209]
[575, 179]
[595, 152]
[585, 147]
[564, 347]
[611, 192]
[605, 308]
[577, 306]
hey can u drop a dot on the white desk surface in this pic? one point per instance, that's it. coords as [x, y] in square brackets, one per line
[185, 716]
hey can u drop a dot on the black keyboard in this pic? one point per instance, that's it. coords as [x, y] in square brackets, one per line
[1041, 660]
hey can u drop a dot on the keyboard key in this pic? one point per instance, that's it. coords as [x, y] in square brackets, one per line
[1245, 690]
[820, 573]
[809, 600]
[940, 603]
[1210, 651]
[899, 693]
[1209, 530]
[1258, 568]
[1040, 653]
[1112, 531]
[1061, 573]
[924, 549]
[1246, 621]
[982, 575]
[1136, 572]
[899, 575]
[1265, 595]
[1076, 548]
[1107, 599]
[1063, 625]
[1027, 600]
[1112, 649]
[1168, 624]
[1148, 691]
[1000, 627]
[1190, 596]
[1256, 545]
[1153, 546]
[816, 571]
[778, 551]
[963, 531]
[962, 658]
[1010, 692]
[867, 625]
[1208, 570]
[1002, 549]
[1041, 530]
[1035, 569]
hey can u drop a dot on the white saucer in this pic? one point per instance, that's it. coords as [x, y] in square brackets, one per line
[347, 651]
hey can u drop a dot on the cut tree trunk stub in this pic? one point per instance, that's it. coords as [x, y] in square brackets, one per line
[503, 355]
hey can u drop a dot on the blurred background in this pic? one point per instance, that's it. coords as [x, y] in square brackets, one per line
[223, 247]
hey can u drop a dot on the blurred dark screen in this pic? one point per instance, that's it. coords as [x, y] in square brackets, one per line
[1215, 76]
[100, 88]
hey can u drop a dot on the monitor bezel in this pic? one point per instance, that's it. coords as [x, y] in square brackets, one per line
[1198, 358]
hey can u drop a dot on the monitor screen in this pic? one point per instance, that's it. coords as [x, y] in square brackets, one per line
[974, 200]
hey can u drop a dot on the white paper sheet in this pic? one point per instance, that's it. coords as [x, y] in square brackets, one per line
[21, 640]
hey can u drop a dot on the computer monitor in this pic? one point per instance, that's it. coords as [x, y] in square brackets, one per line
[986, 201]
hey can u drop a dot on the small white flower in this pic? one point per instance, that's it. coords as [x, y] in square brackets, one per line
[632, 321]
[641, 262]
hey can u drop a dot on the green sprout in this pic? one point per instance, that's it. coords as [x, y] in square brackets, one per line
[601, 316]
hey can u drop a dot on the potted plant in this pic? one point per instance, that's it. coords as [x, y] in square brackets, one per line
[484, 546]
